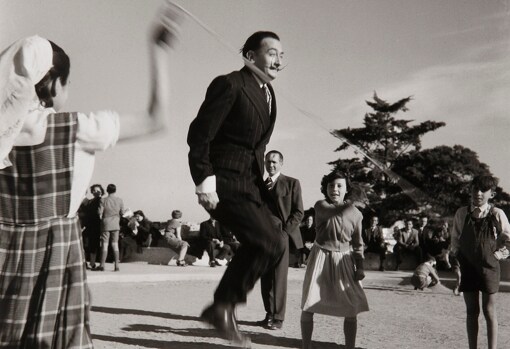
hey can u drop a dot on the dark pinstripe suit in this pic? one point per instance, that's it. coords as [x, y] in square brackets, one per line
[228, 139]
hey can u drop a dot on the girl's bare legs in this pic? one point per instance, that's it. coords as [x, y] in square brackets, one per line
[472, 312]
[491, 319]
[306, 329]
[182, 252]
[350, 329]
[456, 270]
[115, 248]
[104, 253]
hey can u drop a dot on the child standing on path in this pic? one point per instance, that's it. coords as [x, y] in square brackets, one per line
[46, 162]
[332, 280]
[425, 275]
[479, 235]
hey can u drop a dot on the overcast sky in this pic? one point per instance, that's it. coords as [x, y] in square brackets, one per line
[452, 56]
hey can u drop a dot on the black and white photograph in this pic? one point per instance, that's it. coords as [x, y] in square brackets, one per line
[254, 174]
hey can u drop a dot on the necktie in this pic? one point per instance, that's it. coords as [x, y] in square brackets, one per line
[268, 96]
[476, 212]
[269, 183]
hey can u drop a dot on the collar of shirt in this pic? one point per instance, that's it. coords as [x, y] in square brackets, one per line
[259, 81]
[275, 177]
[483, 209]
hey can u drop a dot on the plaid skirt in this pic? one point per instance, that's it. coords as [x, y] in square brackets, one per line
[44, 298]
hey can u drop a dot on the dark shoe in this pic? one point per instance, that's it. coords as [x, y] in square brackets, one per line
[212, 264]
[116, 269]
[397, 268]
[217, 263]
[267, 322]
[181, 263]
[276, 325]
[222, 318]
[98, 269]
[381, 268]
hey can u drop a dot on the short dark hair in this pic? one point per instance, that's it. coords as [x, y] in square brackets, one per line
[275, 152]
[139, 212]
[485, 182]
[111, 188]
[430, 258]
[45, 89]
[330, 177]
[253, 43]
[97, 186]
[176, 214]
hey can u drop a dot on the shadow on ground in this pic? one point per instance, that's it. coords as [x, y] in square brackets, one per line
[259, 338]
[120, 311]
[159, 344]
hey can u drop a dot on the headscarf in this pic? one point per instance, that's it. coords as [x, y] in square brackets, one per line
[22, 65]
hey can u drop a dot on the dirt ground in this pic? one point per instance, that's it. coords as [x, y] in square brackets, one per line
[149, 306]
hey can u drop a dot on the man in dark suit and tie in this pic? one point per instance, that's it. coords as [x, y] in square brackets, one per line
[373, 238]
[288, 207]
[425, 235]
[227, 142]
[407, 241]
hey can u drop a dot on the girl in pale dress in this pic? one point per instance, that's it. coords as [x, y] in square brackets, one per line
[332, 281]
[46, 162]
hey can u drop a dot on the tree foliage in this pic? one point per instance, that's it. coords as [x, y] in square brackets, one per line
[444, 173]
[431, 181]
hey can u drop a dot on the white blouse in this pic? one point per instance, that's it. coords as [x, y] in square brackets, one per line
[22, 65]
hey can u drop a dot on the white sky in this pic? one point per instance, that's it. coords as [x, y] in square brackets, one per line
[452, 56]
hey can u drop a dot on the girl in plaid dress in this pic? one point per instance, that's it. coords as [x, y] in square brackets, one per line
[46, 162]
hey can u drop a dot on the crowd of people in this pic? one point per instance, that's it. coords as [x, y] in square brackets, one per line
[112, 231]
[136, 231]
[109, 228]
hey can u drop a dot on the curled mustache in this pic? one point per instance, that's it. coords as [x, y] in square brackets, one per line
[280, 68]
[262, 74]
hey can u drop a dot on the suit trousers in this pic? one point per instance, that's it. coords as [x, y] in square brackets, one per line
[262, 245]
[273, 285]
[222, 251]
[399, 249]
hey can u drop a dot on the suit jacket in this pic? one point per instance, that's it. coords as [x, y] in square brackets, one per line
[228, 137]
[412, 239]
[208, 231]
[111, 209]
[376, 236]
[287, 194]
[424, 234]
[308, 234]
